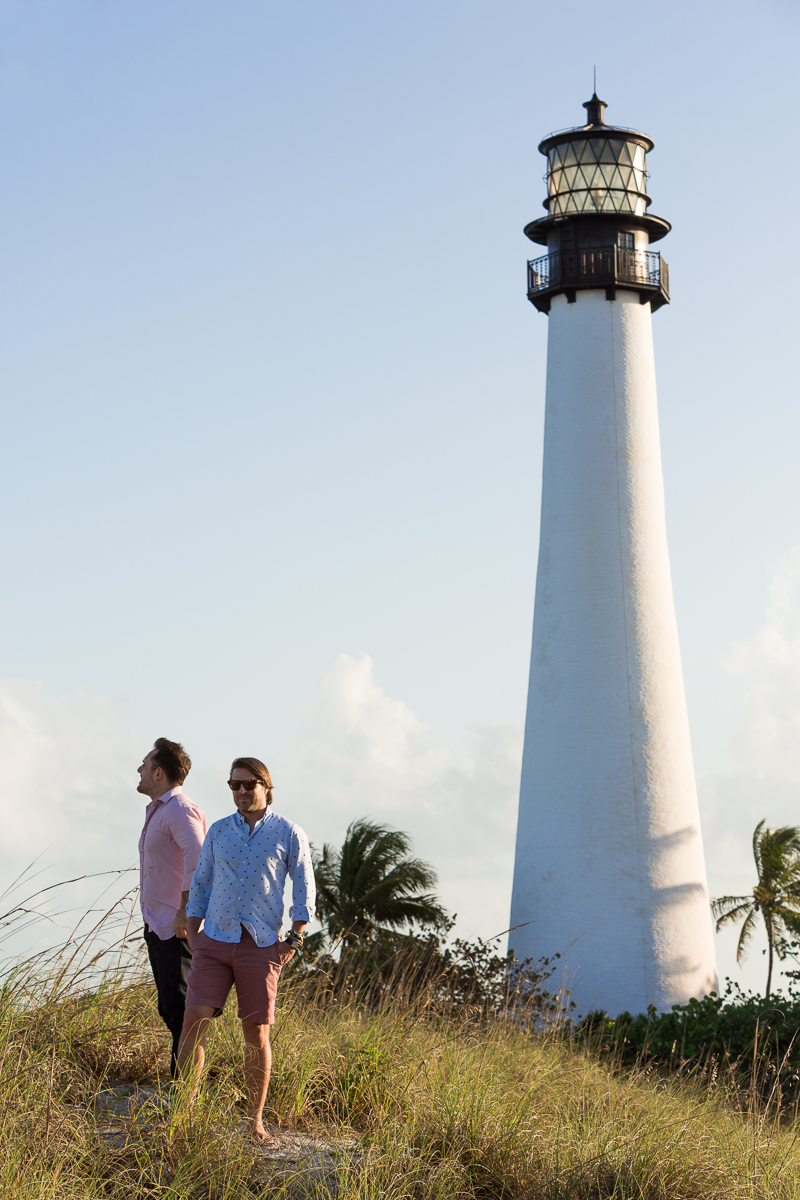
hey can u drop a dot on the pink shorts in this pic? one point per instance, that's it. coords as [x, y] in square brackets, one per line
[217, 966]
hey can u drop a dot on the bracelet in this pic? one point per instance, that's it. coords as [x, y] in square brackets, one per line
[294, 938]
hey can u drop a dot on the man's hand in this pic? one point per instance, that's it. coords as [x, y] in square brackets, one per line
[297, 927]
[193, 928]
[179, 924]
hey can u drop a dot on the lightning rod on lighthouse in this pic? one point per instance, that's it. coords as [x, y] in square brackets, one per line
[609, 869]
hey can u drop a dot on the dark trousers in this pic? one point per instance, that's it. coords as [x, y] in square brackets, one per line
[170, 960]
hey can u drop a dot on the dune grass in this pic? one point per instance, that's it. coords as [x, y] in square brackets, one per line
[442, 1107]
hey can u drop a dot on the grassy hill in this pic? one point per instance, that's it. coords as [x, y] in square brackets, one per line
[444, 1106]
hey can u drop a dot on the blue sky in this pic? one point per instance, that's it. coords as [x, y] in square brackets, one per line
[273, 395]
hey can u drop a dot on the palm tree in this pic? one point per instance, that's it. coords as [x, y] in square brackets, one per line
[776, 894]
[372, 884]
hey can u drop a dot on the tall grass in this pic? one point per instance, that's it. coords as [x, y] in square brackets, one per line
[444, 1105]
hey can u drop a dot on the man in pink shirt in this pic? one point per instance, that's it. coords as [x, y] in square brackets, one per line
[174, 829]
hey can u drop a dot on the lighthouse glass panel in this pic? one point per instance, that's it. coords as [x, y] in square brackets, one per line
[596, 175]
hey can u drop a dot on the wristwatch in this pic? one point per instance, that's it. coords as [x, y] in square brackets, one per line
[294, 939]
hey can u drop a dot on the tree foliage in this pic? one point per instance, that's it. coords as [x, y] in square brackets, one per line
[392, 937]
[776, 895]
[373, 884]
[469, 979]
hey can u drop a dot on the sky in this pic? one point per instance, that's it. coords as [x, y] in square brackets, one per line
[273, 405]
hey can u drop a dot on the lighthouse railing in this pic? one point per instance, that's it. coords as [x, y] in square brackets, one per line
[601, 265]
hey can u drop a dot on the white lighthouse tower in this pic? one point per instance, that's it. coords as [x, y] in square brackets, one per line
[609, 866]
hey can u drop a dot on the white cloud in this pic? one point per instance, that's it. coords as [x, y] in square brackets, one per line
[65, 767]
[67, 777]
[362, 743]
[67, 764]
[764, 778]
[67, 794]
[768, 737]
[366, 754]
[66, 803]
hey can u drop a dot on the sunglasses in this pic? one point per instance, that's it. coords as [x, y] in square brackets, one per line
[249, 785]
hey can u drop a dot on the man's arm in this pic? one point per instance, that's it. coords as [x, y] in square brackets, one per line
[188, 831]
[200, 890]
[301, 873]
[179, 924]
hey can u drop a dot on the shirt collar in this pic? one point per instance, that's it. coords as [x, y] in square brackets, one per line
[240, 821]
[176, 791]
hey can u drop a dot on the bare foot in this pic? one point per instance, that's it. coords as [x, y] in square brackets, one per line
[257, 1133]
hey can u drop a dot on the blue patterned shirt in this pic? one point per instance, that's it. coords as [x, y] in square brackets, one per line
[240, 877]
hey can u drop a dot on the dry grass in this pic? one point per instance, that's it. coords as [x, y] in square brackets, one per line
[443, 1109]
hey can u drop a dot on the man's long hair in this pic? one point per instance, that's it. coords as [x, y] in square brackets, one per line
[256, 767]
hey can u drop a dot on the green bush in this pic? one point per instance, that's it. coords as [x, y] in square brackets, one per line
[469, 977]
[754, 1037]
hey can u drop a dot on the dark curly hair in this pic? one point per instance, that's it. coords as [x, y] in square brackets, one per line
[172, 758]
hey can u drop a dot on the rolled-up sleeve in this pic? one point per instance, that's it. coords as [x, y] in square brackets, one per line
[189, 830]
[202, 880]
[301, 873]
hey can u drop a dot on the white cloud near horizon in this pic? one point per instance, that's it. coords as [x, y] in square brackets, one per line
[68, 803]
[65, 786]
[362, 752]
[763, 779]
[65, 768]
[367, 754]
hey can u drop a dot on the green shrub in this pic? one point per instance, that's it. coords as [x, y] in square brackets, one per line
[469, 978]
[753, 1037]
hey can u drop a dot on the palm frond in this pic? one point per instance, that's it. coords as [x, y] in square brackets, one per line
[757, 845]
[776, 894]
[730, 908]
[787, 920]
[745, 935]
[372, 883]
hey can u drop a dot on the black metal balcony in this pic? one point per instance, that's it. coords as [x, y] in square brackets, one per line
[607, 267]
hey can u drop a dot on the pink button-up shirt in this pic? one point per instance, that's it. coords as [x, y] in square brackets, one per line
[174, 829]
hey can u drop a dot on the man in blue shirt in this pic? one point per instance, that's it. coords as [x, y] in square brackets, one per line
[237, 889]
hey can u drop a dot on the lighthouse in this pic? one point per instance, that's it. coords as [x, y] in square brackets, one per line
[609, 869]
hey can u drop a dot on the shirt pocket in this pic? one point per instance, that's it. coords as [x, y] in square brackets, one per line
[228, 858]
[159, 843]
